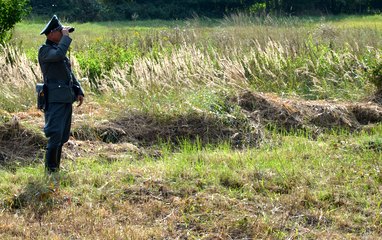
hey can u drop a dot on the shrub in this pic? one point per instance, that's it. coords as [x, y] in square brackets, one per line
[102, 56]
[11, 12]
[375, 75]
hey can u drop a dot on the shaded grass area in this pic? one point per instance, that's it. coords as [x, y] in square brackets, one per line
[289, 187]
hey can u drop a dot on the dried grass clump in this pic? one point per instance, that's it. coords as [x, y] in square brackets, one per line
[15, 68]
[298, 114]
[19, 76]
[18, 143]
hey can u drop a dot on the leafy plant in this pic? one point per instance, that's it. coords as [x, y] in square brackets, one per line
[375, 75]
[258, 8]
[11, 12]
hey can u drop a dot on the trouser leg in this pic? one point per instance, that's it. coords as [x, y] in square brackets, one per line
[57, 129]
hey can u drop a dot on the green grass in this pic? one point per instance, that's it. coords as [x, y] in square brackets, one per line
[329, 187]
[372, 22]
[28, 32]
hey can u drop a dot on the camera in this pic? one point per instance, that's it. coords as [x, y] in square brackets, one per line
[71, 29]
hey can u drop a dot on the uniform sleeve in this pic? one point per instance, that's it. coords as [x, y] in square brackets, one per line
[49, 54]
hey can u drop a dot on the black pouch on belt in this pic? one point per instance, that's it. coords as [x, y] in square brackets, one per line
[42, 96]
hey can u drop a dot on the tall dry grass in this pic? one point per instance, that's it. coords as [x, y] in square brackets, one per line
[310, 58]
[317, 73]
[18, 77]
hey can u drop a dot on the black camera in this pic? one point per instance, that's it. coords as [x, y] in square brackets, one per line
[71, 29]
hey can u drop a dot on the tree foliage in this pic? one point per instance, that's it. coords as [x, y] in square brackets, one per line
[11, 12]
[324, 6]
[96, 10]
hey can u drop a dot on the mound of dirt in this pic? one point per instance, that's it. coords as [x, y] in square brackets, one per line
[144, 130]
[300, 114]
[18, 143]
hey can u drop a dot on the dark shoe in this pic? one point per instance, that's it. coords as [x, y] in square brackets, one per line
[51, 160]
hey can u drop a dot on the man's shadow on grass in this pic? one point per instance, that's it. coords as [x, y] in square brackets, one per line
[38, 197]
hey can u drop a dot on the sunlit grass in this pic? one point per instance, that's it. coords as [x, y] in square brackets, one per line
[365, 22]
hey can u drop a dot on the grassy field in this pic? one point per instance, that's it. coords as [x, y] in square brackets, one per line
[238, 175]
[291, 187]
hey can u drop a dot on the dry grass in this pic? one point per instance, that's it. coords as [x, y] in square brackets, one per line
[19, 77]
[230, 61]
[273, 66]
[147, 130]
[187, 68]
[315, 59]
[19, 145]
[310, 115]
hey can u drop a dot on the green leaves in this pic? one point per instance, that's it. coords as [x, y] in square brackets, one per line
[375, 75]
[11, 12]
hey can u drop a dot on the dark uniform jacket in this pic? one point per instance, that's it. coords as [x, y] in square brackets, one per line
[62, 85]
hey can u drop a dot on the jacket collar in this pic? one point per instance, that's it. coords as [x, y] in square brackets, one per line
[49, 42]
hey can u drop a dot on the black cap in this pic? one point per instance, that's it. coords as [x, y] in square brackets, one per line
[53, 24]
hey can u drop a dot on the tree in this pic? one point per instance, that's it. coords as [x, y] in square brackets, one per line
[99, 10]
[11, 12]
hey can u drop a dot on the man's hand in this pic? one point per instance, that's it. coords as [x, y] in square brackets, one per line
[65, 31]
[80, 100]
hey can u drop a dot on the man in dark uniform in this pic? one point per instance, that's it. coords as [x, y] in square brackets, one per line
[62, 90]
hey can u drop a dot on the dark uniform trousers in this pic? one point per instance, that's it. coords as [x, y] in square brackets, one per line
[58, 119]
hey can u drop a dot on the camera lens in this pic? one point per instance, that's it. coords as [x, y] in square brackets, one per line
[71, 29]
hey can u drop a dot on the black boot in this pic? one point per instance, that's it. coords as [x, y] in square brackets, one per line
[51, 160]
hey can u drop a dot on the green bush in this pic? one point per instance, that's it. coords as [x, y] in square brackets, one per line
[102, 56]
[375, 75]
[11, 12]
[258, 9]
